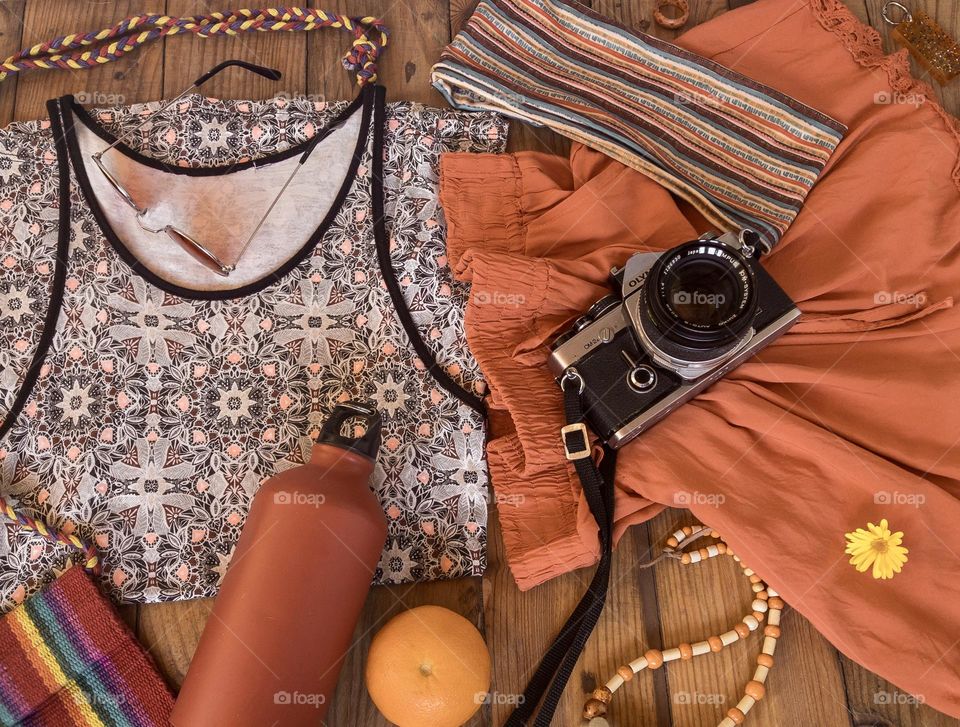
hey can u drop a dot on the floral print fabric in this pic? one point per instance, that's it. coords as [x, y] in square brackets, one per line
[155, 417]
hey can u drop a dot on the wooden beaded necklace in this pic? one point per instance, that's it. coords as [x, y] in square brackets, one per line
[766, 605]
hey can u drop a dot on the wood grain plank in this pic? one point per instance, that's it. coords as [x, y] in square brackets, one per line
[170, 632]
[460, 12]
[11, 40]
[520, 627]
[806, 685]
[859, 8]
[638, 14]
[419, 29]
[875, 701]
[188, 56]
[138, 77]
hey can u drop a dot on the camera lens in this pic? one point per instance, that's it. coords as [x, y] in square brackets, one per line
[701, 295]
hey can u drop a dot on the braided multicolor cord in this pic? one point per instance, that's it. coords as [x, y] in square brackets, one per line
[110, 44]
[91, 558]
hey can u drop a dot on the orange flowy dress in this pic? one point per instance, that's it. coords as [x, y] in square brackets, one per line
[850, 418]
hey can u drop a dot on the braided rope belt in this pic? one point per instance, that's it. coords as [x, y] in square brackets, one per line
[88, 551]
[87, 50]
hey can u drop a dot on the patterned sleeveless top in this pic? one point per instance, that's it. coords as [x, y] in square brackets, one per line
[144, 415]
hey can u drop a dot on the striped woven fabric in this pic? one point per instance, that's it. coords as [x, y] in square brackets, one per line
[66, 660]
[742, 153]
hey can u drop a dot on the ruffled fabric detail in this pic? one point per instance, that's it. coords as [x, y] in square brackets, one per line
[482, 199]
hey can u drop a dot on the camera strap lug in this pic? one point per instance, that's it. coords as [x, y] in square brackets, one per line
[571, 375]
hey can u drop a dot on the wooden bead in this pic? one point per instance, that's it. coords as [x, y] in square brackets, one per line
[602, 694]
[762, 595]
[771, 631]
[687, 530]
[715, 644]
[672, 542]
[765, 660]
[759, 605]
[594, 708]
[686, 652]
[625, 672]
[755, 578]
[776, 603]
[654, 658]
[743, 631]
[755, 689]
[714, 534]
[685, 559]
[722, 547]
[736, 715]
[704, 553]
[756, 587]
[758, 615]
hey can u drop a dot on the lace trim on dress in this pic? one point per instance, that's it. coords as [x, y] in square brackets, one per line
[866, 47]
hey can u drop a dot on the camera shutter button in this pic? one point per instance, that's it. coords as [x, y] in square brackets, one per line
[642, 378]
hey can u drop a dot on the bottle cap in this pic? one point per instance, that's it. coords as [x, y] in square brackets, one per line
[368, 444]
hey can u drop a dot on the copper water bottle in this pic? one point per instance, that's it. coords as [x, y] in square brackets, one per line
[273, 646]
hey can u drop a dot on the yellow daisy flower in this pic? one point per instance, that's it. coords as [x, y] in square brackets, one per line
[878, 547]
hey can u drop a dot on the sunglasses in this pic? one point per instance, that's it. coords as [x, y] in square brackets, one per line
[187, 242]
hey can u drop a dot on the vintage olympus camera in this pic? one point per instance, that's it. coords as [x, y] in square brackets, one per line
[682, 320]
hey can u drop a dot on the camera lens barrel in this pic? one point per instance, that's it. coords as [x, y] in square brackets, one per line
[700, 296]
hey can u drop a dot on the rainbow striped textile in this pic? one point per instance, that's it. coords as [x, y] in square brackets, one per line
[66, 660]
[742, 153]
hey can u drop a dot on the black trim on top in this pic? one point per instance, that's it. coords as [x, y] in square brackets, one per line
[69, 108]
[390, 277]
[59, 275]
[365, 97]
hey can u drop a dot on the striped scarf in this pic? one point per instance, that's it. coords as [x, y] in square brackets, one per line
[66, 660]
[743, 154]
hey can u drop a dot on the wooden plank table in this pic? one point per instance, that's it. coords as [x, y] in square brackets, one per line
[811, 685]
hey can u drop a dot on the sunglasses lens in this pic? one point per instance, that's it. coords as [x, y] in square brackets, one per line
[198, 251]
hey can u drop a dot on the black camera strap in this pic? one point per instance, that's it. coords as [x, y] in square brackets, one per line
[548, 682]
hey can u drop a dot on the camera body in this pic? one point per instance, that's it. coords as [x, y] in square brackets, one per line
[682, 319]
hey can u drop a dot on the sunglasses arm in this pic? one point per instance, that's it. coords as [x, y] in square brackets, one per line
[269, 73]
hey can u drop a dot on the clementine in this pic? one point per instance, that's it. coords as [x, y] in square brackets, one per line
[428, 666]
